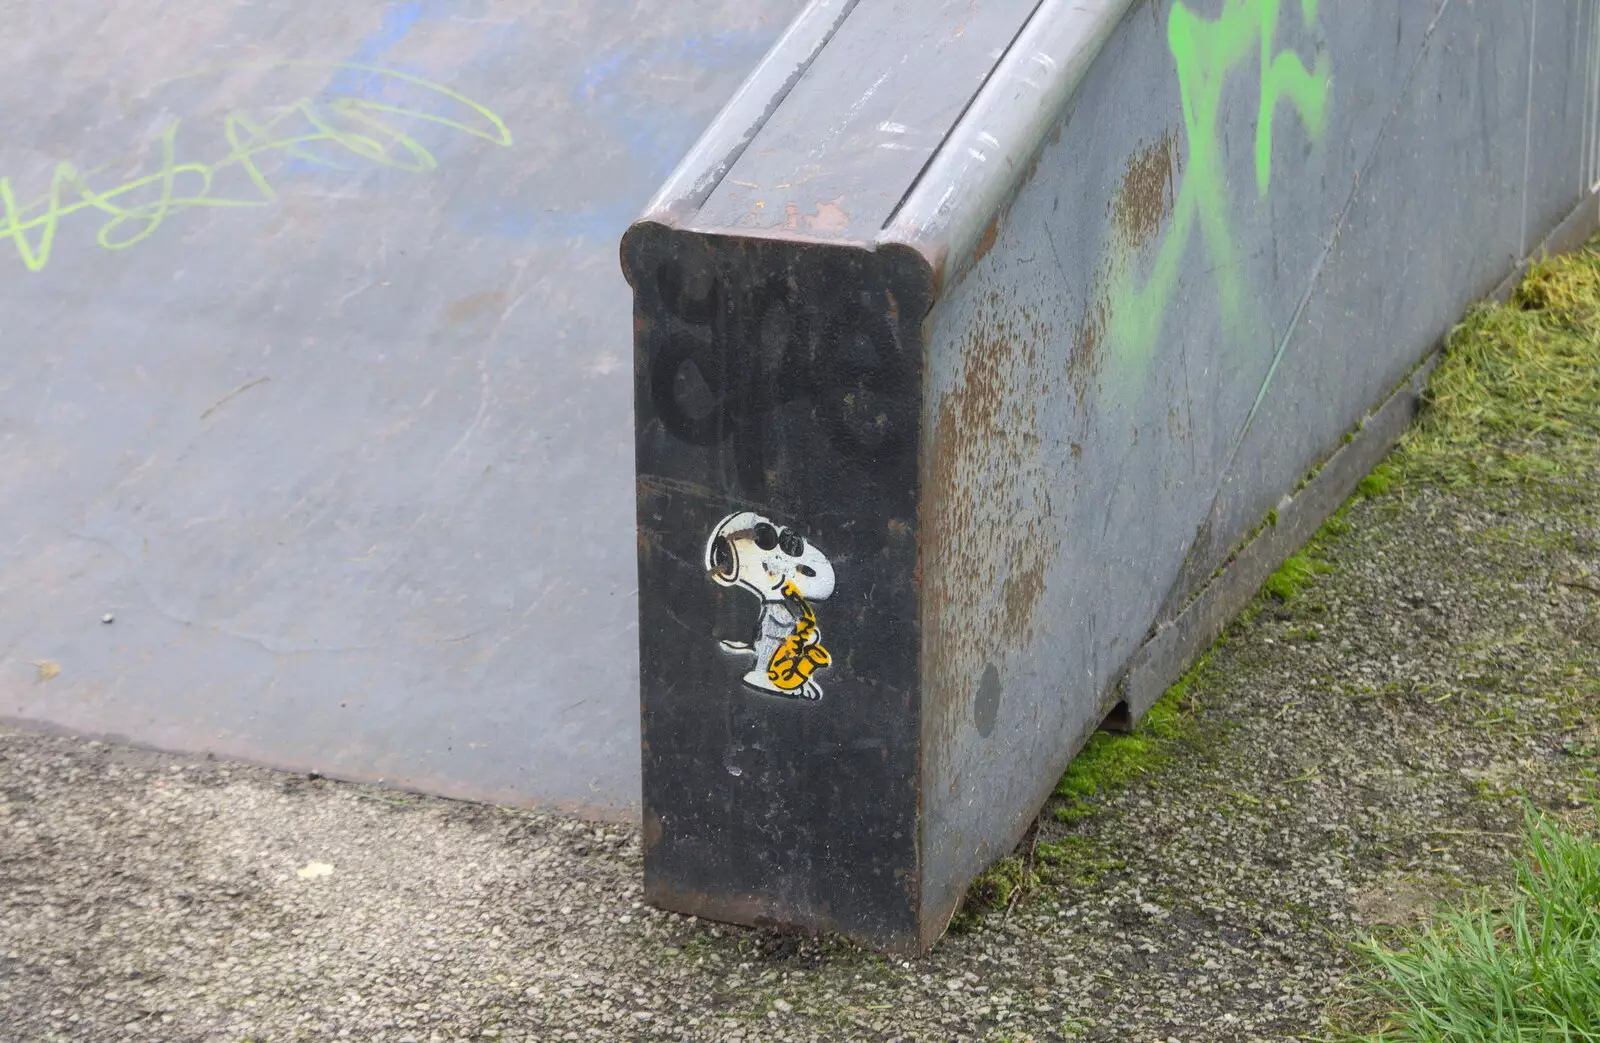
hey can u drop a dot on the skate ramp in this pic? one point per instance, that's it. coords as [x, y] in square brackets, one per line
[316, 376]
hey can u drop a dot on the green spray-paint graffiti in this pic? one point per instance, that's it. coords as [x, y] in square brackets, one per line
[1205, 52]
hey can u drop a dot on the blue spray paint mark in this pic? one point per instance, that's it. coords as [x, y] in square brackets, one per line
[398, 21]
[659, 133]
[617, 102]
[397, 24]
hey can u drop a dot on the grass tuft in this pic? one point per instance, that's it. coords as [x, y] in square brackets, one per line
[1512, 375]
[1000, 884]
[1526, 972]
[1378, 483]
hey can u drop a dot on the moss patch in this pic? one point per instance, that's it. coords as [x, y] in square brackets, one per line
[1295, 575]
[1108, 761]
[1379, 482]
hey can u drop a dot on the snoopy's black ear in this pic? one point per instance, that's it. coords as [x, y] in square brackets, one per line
[722, 556]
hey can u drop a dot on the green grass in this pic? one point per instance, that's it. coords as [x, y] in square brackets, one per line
[1527, 971]
[1515, 396]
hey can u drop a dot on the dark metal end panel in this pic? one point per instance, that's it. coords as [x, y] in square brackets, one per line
[776, 385]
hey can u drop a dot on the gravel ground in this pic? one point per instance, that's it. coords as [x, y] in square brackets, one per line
[1358, 755]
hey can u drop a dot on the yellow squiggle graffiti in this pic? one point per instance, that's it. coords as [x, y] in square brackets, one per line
[182, 186]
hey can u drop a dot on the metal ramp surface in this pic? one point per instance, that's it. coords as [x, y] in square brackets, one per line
[316, 375]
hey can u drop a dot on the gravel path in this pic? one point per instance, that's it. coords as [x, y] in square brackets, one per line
[1358, 755]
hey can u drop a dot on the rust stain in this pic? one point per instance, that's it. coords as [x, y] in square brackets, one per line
[830, 217]
[1086, 356]
[985, 566]
[476, 305]
[655, 483]
[1024, 584]
[1147, 192]
[986, 243]
[652, 829]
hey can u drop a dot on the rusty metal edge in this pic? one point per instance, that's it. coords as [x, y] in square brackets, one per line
[730, 133]
[976, 169]
[991, 150]
[1178, 644]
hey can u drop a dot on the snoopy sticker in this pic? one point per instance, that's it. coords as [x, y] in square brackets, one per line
[779, 567]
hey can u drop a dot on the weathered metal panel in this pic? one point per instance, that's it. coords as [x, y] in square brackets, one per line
[1208, 277]
[315, 374]
[865, 118]
[1174, 252]
[1231, 285]
[776, 392]
[1560, 97]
